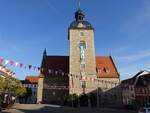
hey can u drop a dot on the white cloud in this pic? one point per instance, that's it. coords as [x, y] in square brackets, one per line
[131, 58]
[130, 70]
[120, 49]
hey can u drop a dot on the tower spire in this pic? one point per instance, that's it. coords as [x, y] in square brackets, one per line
[79, 5]
[79, 15]
[44, 53]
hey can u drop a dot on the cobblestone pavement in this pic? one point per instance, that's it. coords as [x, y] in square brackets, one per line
[42, 108]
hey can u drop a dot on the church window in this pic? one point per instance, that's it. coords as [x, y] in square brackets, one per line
[83, 84]
[82, 43]
[82, 66]
[81, 34]
[54, 93]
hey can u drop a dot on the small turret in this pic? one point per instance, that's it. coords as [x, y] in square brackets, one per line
[44, 54]
[79, 21]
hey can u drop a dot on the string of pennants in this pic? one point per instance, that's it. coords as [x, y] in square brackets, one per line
[9, 62]
[56, 87]
[49, 87]
[92, 79]
[51, 71]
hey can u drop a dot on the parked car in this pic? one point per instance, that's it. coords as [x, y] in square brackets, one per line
[144, 110]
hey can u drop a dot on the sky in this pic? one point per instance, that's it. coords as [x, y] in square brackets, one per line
[122, 30]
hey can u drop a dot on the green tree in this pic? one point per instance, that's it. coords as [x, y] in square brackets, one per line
[1, 84]
[72, 100]
[13, 86]
[83, 100]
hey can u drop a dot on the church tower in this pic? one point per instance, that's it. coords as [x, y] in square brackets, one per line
[82, 53]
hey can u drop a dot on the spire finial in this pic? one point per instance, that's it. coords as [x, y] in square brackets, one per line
[44, 53]
[79, 5]
[79, 15]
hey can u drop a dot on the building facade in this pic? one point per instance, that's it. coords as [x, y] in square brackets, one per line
[136, 90]
[31, 84]
[81, 71]
[4, 72]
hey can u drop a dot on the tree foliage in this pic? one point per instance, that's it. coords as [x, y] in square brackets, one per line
[83, 100]
[71, 100]
[11, 85]
[1, 84]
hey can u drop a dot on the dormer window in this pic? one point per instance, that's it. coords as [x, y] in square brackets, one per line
[98, 70]
[106, 70]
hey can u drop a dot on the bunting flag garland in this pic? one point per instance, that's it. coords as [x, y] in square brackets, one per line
[21, 65]
[1, 61]
[38, 68]
[16, 63]
[25, 66]
[53, 87]
[11, 62]
[6, 62]
[30, 66]
[55, 72]
[34, 67]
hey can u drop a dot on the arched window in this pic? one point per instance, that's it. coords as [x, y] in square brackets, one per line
[83, 44]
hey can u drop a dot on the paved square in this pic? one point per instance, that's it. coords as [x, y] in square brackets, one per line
[43, 108]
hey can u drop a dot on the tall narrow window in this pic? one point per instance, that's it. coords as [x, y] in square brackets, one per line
[83, 84]
[82, 47]
[81, 34]
[82, 66]
[82, 44]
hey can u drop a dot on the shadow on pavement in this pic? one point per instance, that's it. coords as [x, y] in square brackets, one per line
[43, 109]
[54, 109]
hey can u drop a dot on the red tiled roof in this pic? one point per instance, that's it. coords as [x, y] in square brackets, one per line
[106, 67]
[32, 79]
[55, 63]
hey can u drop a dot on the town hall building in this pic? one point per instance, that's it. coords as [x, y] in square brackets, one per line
[81, 71]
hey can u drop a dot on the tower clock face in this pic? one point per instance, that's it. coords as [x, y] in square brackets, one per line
[80, 25]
